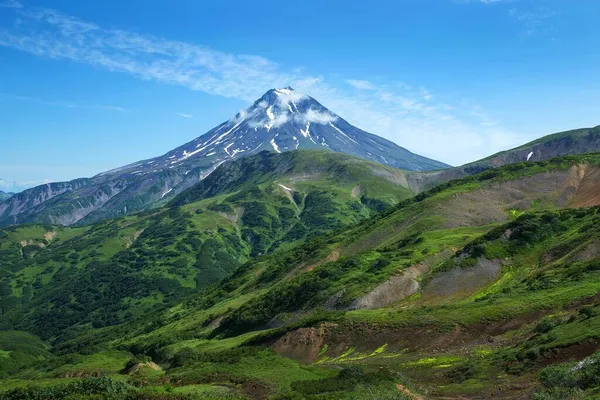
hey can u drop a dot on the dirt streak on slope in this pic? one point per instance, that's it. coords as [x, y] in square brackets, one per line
[490, 204]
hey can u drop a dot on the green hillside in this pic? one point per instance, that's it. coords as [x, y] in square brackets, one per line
[483, 287]
[54, 278]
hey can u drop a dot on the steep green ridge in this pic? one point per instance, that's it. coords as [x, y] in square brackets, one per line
[20, 348]
[298, 168]
[479, 287]
[57, 278]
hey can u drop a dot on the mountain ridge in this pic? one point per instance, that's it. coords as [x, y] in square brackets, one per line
[281, 120]
[5, 195]
[575, 141]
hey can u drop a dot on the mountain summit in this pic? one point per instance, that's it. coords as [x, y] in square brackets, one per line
[281, 120]
[286, 120]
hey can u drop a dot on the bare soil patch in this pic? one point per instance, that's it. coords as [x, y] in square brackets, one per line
[460, 282]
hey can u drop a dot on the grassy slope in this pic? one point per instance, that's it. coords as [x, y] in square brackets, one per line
[539, 308]
[52, 278]
[413, 233]
[291, 297]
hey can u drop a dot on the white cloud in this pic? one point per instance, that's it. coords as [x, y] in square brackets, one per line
[11, 4]
[317, 117]
[455, 134]
[292, 96]
[414, 118]
[360, 84]
[277, 121]
[280, 120]
[425, 94]
[534, 21]
[113, 108]
[284, 100]
[55, 35]
[183, 115]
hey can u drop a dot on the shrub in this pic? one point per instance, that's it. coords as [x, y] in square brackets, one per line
[100, 388]
[584, 374]
[462, 371]
[547, 324]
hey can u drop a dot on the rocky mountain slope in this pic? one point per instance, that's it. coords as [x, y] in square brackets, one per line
[4, 196]
[577, 141]
[281, 120]
[481, 287]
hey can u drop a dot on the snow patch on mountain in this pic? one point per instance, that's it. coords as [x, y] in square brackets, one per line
[270, 113]
[281, 120]
[343, 134]
[275, 147]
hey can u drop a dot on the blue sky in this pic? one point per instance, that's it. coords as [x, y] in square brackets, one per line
[88, 86]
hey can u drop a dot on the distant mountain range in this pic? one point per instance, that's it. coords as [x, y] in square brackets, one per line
[281, 120]
[10, 187]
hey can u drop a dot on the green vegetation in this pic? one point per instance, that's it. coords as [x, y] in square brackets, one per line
[286, 287]
[54, 279]
[108, 389]
[18, 349]
[570, 380]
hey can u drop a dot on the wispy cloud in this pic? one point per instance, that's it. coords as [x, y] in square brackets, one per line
[50, 33]
[62, 104]
[11, 4]
[452, 133]
[484, 1]
[425, 94]
[535, 21]
[113, 108]
[360, 84]
[183, 115]
[449, 131]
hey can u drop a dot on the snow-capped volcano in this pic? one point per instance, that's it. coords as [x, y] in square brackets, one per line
[286, 120]
[281, 120]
